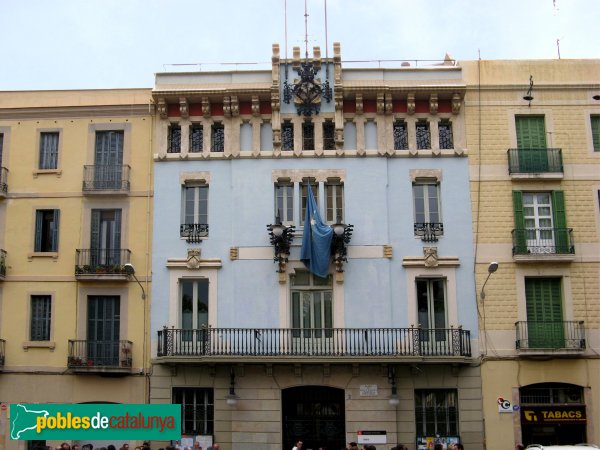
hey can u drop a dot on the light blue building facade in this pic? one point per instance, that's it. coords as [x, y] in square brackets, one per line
[259, 351]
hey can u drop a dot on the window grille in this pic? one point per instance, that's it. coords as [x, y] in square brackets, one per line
[308, 136]
[287, 136]
[196, 139]
[445, 131]
[328, 135]
[174, 139]
[218, 138]
[423, 135]
[400, 135]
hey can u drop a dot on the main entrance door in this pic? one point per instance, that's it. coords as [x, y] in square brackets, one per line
[315, 415]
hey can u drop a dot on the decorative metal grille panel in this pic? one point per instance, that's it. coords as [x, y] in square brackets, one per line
[287, 136]
[423, 135]
[400, 135]
[196, 139]
[445, 131]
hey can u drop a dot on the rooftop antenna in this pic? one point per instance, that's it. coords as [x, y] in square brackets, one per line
[326, 46]
[285, 38]
[306, 28]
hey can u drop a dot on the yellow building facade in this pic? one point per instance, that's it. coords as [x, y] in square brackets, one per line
[534, 150]
[75, 233]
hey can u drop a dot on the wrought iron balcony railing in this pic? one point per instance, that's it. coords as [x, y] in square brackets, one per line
[535, 160]
[429, 231]
[2, 344]
[543, 241]
[193, 232]
[90, 354]
[326, 342]
[3, 180]
[102, 261]
[555, 335]
[106, 178]
[2, 264]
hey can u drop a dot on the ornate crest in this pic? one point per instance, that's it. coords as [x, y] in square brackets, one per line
[430, 256]
[193, 258]
[307, 90]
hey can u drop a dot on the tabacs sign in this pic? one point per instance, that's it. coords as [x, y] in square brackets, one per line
[553, 414]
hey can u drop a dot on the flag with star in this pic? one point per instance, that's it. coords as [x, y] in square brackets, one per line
[316, 240]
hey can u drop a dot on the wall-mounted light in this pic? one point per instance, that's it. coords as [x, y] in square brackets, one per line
[130, 271]
[394, 399]
[232, 398]
[528, 97]
[281, 237]
[491, 269]
[596, 97]
[342, 234]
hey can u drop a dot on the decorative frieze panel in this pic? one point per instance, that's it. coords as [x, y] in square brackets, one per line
[162, 108]
[359, 104]
[433, 104]
[456, 103]
[255, 106]
[184, 109]
[411, 104]
[205, 107]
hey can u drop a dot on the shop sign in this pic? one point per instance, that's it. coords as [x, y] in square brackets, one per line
[553, 414]
[371, 437]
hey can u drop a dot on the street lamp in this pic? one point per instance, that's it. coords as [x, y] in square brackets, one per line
[130, 271]
[491, 269]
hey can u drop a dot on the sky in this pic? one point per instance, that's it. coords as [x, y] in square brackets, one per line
[97, 44]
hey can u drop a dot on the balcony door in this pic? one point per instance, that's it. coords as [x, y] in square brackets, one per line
[103, 323]
[539, 226]
[194, 316]
[108, 160]
[105, 248]
[432, 314]
[544, 313]
[531, 142]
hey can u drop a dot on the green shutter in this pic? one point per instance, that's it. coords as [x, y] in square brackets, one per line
[544, 313]
[519, 240]
[55, 228]
[39, 216]
[531, 142]
[561, 233]
[95, 238]
[596, 132]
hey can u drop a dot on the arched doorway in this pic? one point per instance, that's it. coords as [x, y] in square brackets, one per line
[314, 414]
[552, 414]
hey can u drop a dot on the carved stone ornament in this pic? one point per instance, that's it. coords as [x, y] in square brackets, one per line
[380, 103]
[205, 107]
[275, 98]
[235, 106]
[193, 258]
[255, 106]
[433, 104]
[430, 256]
[227, 106]
[184, 108]
[359, 104]
[339, 100]
[410, 104]
[162, 108]
[456, 103]
[388, 103]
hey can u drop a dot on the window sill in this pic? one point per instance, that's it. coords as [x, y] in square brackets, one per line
[39, 344]
[57, 172]
[53, 255]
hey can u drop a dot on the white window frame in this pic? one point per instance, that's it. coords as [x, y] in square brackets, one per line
[198, 213]
[334, 188]
[286, 211]
[423, 185]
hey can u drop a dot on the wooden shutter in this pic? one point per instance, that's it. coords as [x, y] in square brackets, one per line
[39, 221]
[596, 132]
[531, 132]
[559, 216]
[544, 312]
[519, 241]
[55, 230]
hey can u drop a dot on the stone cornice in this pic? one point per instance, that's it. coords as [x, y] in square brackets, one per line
[74, 112]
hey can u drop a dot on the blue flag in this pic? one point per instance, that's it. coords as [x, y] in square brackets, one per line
[316, 241]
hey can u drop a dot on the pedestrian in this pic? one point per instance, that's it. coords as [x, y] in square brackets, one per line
[459, 446]
[298, 445]
[519, 447]
[352, 446]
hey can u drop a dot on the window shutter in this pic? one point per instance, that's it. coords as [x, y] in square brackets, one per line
[95, 238]
[544, 312]
[561, 233]
[117, 249]
[596, 132]
[39, 218]
[531, 132]
[519, 241]
[55, 229]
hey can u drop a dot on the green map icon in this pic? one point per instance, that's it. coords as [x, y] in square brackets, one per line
[23, 419]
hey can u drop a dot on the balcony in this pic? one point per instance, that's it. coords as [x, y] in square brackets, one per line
[2, 344]
[321, 344]
[100, 356]
[429, 231]
[3, 182]
[102, 180]
[544, 337]
[2, 264]
[193, 232]
[101, 264]
[535, 163]
[543, 244]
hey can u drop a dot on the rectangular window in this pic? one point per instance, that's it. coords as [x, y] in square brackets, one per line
[48, 150]
[349, 136]
[46, 230]
[423, 135]
[266, 136]
[194, 218]
[531, 132]
[105, 239]
[596, 132]
[304, 194]
[431, 306]
[428, 222]
[246, 137]
[370, 135]
[308, 136]
[436, 412]
[287, 135]
[334, 201]
[328, 135]
[445, 132]
[284, 201]
[196, 138]
[400, 135]
[197, 410]
[174, 139]
[312, 306]
[194, 307]
[218, 138]
[40, 318]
